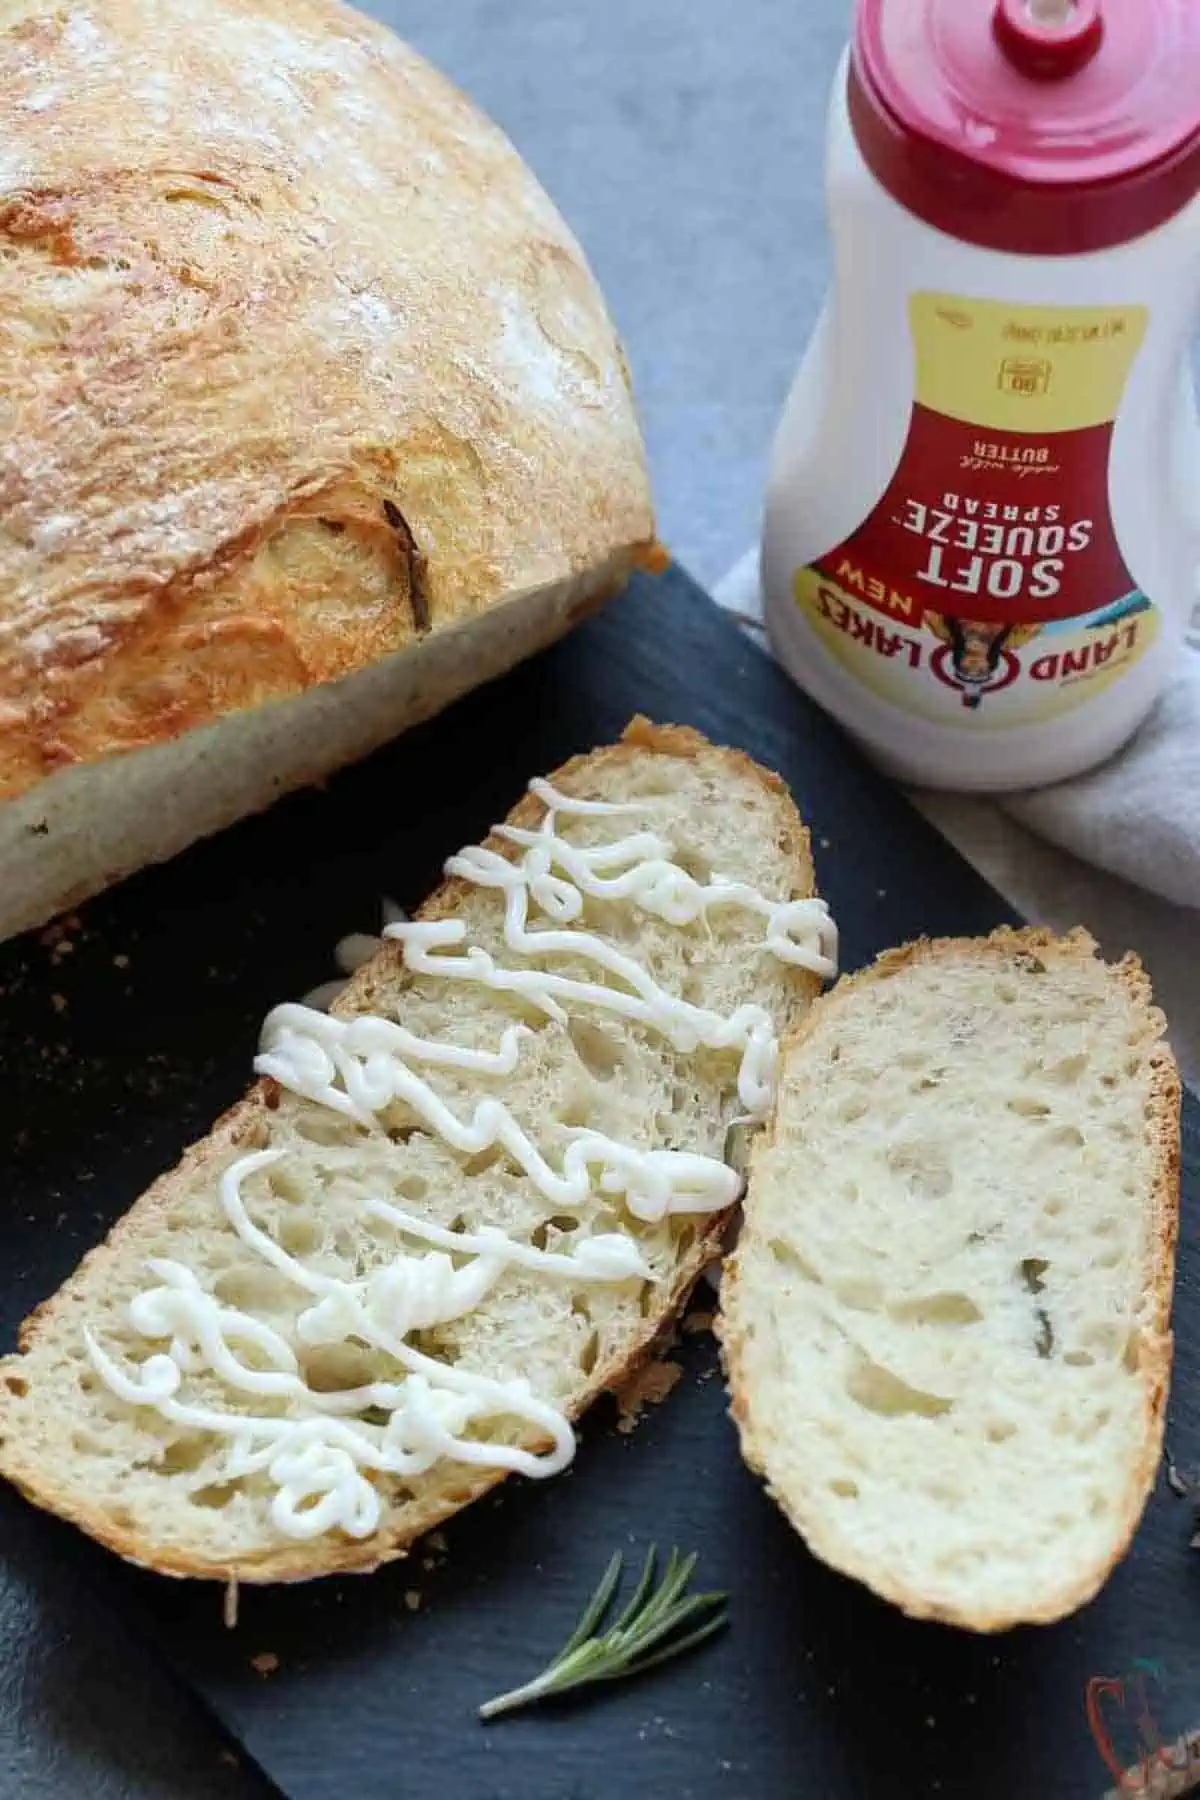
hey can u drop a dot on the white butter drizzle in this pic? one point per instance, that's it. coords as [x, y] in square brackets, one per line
[317, 1461]
[307, 1051]
[320, 1459]
[799, 932]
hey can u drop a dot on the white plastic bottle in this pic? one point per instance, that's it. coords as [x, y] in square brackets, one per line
[981, 528]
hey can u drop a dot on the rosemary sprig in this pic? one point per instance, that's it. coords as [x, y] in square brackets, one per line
[649, 1630]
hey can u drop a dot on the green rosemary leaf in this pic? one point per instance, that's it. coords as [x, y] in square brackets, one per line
[641, 1591]
[671, 1620]
[597, 1606]
[709, 1629]
[656, 1624]
[677, 1576]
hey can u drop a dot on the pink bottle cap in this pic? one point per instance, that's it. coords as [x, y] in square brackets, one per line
[1047, 127]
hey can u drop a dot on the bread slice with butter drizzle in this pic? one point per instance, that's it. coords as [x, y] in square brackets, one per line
[946, 1327]
[161, 1493]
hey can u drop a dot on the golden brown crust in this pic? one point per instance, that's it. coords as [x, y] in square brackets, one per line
[242, 1126]
[298, 365]
[1158, 1276]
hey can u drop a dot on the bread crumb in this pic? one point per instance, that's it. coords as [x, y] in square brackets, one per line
[55, 937]
[230, 1605]
[696, 1322]
[648, 1387]
[412, 1599]
[266, 1662]
[437, 1543]
[120, 961]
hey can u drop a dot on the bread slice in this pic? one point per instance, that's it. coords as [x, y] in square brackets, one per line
[946, 1324]
[161, 1496]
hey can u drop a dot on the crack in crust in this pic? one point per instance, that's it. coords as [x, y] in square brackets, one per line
[334, 294]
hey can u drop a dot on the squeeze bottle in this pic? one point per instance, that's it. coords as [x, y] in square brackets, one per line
[981, 538]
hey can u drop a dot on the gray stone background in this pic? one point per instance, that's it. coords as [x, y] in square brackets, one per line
[682, 140]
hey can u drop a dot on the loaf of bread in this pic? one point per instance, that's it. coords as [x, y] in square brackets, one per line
[946, 1324]
[311, 418]
[290, 1263]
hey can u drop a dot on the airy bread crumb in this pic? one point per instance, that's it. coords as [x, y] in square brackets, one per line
[946, 1323]
[157, 1493]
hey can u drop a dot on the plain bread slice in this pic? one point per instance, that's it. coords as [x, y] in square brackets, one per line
[946, 1324]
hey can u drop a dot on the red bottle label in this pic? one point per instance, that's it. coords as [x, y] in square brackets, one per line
[989, 575]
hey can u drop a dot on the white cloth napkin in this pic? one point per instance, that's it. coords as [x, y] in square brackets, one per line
[1117, 850]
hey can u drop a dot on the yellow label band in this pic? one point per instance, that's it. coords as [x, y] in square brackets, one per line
[1025, 369]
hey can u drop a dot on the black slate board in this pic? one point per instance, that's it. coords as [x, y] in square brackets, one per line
[119, 1050]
